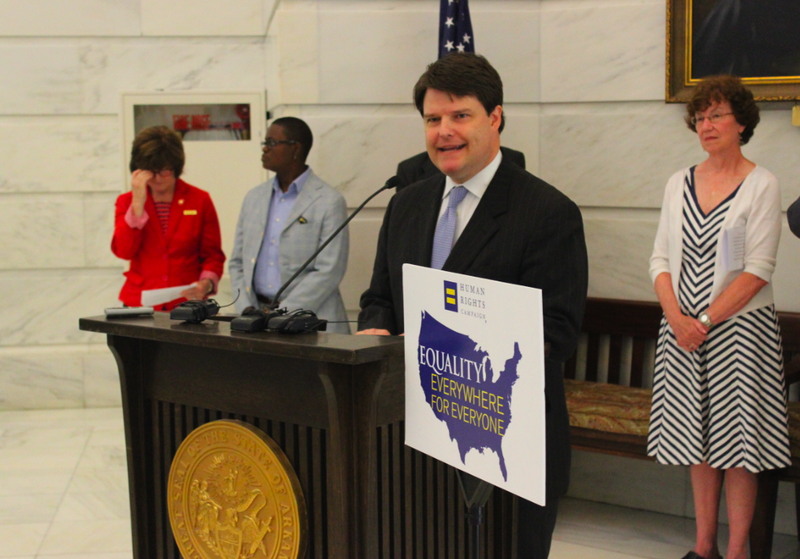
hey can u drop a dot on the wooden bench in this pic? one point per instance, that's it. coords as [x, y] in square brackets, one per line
[618, 348]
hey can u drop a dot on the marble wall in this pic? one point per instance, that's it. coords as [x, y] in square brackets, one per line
[63, 67]
[584, 86]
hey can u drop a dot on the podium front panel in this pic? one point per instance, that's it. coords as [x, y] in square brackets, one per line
[333, 403]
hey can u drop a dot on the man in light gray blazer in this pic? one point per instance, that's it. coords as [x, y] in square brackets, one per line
[282, 222]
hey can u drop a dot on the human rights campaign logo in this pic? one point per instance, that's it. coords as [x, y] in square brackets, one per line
[450, 297]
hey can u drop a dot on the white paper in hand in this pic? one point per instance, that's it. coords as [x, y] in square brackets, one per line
[152, 297]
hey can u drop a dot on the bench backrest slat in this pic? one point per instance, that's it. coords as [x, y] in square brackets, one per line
[619, 337]
[592, 358]
[637, 361]
[614, 359]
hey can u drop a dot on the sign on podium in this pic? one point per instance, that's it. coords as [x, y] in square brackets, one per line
[474, 353]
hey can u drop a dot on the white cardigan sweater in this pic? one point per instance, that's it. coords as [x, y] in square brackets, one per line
[755, 206]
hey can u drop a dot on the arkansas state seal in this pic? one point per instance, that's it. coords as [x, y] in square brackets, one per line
[234, 495]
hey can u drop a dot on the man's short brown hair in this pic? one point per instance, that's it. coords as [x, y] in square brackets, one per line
[158, 148]
[462, 75]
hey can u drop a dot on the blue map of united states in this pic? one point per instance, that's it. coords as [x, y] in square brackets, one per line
[458, 380]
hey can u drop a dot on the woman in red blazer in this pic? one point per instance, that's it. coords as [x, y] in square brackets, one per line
[167, 228]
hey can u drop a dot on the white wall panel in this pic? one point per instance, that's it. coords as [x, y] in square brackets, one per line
[52, 302]
[40, 380]
[395, 46]
[618, 156]
[522, 134]
[41, 231]
[619, 253]
[595, 52]
[98, 227]
[60, 154]
[110, 67]
[393, 49]
[87, 76]
[356, 154]
[298, 39]
[39, 77]
[775, 145]
[59, 18]
[510, 41]
[199, 18]
[101, 384]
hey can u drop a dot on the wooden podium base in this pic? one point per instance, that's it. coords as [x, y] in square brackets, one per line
[335, 406]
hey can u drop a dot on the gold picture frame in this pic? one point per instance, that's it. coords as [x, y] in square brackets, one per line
[688, 22]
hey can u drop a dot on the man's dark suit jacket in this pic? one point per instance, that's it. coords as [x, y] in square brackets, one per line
[523, 232]
[793, 216]
[421, 167]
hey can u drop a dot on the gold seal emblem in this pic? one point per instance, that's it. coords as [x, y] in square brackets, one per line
[233, 494]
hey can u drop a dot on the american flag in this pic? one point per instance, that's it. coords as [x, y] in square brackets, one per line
[455, 28]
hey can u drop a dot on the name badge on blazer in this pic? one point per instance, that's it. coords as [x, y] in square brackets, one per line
[189, 212]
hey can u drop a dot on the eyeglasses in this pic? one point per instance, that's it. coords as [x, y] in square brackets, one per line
[713, 119]
[271, 143]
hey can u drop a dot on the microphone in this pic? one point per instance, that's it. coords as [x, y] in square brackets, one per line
[391, 183]
[195, 312]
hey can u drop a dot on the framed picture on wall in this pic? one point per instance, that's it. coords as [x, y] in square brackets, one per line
[757, 40]
[212, 122]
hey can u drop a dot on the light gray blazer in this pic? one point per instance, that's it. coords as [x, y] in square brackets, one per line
[317, 212]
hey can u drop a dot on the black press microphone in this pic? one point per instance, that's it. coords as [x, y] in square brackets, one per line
[196, 311]
[391, 183]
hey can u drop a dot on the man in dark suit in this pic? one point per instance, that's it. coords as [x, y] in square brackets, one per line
[510, 226]
[421, 167]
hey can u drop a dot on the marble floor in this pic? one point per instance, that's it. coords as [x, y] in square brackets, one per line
[63, 495]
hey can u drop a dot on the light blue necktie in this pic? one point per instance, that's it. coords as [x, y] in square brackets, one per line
[446, 228]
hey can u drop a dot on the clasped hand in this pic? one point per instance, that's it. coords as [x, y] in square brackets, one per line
[689, 332]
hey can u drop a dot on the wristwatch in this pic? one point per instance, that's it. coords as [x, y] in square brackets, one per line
[705, 320]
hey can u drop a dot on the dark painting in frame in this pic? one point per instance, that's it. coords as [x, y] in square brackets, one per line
[754, 39]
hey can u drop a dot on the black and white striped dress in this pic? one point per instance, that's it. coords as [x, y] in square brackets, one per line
[725, 403]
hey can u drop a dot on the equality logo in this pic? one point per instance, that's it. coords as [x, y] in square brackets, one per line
[450, 297]
[464, 390]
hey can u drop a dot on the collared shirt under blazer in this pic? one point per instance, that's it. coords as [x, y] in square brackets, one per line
[322, 210]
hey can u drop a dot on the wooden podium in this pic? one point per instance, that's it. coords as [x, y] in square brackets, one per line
[333, 403]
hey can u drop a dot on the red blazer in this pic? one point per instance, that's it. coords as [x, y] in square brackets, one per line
[191, 245]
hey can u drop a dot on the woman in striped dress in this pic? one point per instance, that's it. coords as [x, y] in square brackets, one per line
[719, 396]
